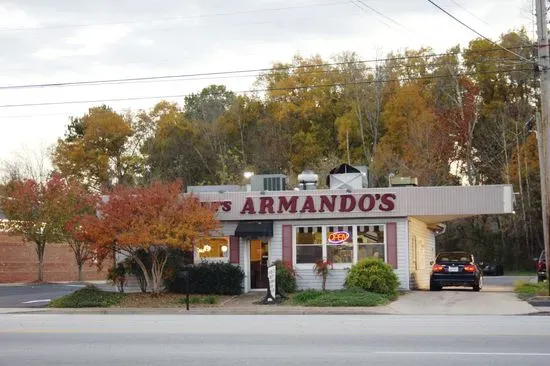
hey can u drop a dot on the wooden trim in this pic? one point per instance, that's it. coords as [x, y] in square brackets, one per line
[234, 250]
[391, 242]
[287, 244]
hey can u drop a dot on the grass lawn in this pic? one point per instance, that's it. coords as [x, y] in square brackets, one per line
[346, 297]
[92, 297]
[521, 272]
[528, 289]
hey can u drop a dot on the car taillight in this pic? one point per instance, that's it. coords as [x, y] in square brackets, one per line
[540, 266]
[438, 268]
[469, 268]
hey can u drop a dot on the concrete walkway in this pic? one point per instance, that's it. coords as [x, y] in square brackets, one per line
[454, 302]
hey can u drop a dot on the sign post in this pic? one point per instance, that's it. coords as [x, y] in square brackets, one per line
[272, 276]
[270, 297]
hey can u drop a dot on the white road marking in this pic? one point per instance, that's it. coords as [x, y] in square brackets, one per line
[464, 353]
[35, 301]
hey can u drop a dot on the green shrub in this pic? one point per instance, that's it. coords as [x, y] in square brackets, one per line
[209, 279]
[192, 300]
[533, 289]
[305, 296]
[88, 297]
[209, 299]
[116, 276]
[373, 275]
[348, 297]
[285, 278]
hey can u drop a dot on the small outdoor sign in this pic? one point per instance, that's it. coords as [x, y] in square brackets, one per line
[271, 275]
[338, 237]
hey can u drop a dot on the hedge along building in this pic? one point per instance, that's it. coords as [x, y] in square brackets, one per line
[343, 225]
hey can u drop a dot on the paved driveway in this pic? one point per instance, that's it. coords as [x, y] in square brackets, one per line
[496, 298]
[38, 295]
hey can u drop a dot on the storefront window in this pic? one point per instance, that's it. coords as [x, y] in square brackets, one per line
[340, 244]
[214, 248]
[309, 244]
[370, 242]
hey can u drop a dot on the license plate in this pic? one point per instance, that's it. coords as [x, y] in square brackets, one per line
[452, 269]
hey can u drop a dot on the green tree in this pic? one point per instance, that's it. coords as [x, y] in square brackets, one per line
[93, 150]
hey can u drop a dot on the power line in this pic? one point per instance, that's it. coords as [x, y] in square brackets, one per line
[479, 34]
[221, 73]
[380, 14]
[178, 18]
[358, 82]
[472, 14]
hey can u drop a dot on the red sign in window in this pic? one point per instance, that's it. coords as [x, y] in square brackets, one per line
[338, 237]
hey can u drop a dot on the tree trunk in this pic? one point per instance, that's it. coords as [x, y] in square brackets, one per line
[80, 277]
[40, 246]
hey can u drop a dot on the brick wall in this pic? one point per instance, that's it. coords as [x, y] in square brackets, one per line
[19, 263]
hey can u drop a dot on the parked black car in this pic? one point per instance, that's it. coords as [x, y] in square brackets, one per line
[455, 269]
[492, 268]
[541, 267]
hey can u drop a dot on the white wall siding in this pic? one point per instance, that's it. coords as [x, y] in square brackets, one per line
[276, 243]
[402, 270]
[306, 275]
[307, 279]
[423, 254]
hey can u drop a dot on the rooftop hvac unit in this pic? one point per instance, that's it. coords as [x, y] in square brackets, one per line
[307, 180]
[268, 182]
[346, 181]
[403, 181]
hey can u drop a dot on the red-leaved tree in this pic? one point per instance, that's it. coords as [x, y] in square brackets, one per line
[37, 211]
[154, 219]
[78, 203]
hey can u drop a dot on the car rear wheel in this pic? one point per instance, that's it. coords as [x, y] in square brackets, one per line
[479, 285]
[435, 287]
[540, 279]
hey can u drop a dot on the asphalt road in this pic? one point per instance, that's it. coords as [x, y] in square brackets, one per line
[41, 339]
[36, 295]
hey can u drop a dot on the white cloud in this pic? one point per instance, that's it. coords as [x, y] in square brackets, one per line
[145, 42]
[87, 42]
[16, 19]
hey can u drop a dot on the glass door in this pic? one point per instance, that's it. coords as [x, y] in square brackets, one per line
[259, 254]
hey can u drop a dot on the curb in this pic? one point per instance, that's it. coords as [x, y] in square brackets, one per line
[205, 311]
[541, 301]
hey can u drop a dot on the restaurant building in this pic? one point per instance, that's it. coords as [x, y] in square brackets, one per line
[343, 224]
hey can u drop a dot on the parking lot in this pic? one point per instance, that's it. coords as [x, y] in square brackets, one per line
[496, 298]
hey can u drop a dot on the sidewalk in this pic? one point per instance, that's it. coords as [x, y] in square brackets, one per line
[413, 303]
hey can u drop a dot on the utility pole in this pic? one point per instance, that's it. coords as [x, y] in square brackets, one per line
[543, 64]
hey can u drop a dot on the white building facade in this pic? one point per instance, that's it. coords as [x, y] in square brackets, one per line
[396, 224]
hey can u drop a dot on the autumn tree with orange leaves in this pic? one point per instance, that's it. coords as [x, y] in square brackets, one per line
[40, 211]
[154, 218]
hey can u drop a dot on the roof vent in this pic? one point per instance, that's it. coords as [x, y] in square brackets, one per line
[403, 181]
[308, 180]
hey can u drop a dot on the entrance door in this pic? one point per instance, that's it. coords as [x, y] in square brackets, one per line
[259, 253]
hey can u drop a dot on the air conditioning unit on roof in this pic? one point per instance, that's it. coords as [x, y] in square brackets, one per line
[268, 182]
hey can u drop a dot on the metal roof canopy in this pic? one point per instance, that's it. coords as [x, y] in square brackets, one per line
[254, 229]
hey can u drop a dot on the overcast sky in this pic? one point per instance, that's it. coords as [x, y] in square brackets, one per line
[49, 41]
